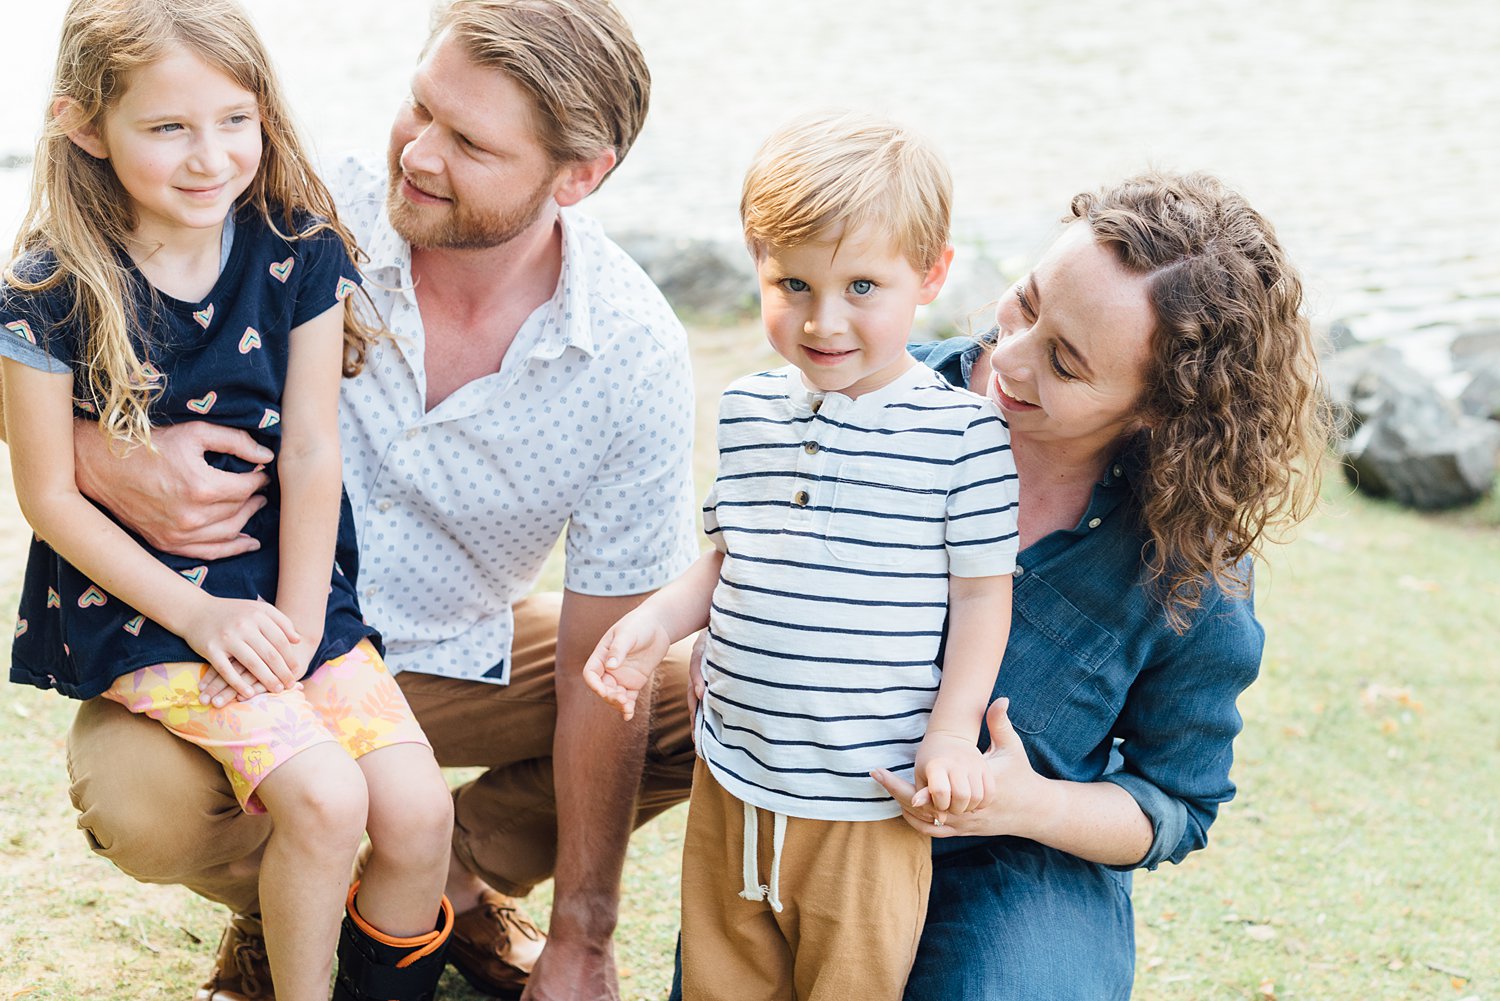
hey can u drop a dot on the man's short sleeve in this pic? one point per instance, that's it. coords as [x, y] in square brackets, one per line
[632, 531]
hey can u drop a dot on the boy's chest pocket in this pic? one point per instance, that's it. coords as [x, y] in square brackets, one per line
[883, 514]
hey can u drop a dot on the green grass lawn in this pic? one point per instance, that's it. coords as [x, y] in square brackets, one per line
[1361, 859]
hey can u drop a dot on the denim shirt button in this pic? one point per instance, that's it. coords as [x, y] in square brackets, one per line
[1095, 522]
[1118, 471]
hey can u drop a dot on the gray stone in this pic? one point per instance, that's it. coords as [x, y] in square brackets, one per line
[1338, 337]
[1474, 342]
[1403, 440]
[702, 279]
[1481, 397]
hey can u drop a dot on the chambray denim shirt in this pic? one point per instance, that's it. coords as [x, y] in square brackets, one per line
[1101, 687]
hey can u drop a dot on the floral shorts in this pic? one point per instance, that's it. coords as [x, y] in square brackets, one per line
[352, 700]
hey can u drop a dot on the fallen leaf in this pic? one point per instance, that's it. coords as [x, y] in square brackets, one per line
[1409, 583]
[1389, 726]
[21, 711]
[1395, 964]
[1152, 962]
[1260, 933]
[1267, 989]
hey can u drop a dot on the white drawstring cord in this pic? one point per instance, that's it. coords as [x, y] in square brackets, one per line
[750, 860]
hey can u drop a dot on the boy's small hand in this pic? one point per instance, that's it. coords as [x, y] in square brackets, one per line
[950, 774]
[621, 665]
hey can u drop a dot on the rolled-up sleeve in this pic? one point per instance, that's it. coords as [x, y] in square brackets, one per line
[1175, 735]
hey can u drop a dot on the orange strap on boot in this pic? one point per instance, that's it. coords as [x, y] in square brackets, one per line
[422, 945]
[374, 966]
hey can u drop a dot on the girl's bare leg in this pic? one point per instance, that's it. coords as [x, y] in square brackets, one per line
[318, 805]
[411, 831]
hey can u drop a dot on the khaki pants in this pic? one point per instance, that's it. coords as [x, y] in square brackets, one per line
[162, 810]
[853, 895]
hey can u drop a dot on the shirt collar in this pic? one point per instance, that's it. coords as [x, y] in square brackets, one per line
[805, 402]
[390, 255]
[568, 321]
[565, 318]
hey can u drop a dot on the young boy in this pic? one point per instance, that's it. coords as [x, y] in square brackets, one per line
[860, 501]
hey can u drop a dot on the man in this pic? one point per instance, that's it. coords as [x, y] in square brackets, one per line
[535, 382]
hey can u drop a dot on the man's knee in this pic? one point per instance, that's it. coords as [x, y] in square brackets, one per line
[158, 807]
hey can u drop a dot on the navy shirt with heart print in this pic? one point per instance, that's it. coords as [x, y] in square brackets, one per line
[222, 359]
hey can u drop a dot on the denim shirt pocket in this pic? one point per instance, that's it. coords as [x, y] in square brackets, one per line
[1053, 652]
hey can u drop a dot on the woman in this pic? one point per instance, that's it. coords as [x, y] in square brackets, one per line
[1160, 387]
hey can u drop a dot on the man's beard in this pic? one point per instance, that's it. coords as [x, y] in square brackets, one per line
[460, 228]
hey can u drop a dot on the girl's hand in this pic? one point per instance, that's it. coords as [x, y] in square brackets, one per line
[214, 691]
[1010, 789]
[621, 665]
[245, 642]
[950, 775]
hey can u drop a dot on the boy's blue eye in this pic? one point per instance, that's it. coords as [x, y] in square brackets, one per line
[794, 284]
[862, 286]
[168, 127]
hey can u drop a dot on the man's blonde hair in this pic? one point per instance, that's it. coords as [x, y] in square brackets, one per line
[577, 60]
[829, 174]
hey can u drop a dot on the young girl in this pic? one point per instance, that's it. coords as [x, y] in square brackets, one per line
[179, 262]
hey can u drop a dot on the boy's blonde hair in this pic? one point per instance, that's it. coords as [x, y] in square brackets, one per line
[828, 174]
[577, 59]
[80, 214]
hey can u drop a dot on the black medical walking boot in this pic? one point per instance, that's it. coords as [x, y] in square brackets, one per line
[374, 966]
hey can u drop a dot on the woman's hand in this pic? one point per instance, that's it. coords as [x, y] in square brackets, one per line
[1011, 789]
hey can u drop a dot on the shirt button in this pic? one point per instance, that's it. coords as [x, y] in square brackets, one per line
[800, 498]
[371, 591]
[1019, 570]
[385, 505]
[1095, 522]
[1118, 471]
[412, 433]
[811, 448]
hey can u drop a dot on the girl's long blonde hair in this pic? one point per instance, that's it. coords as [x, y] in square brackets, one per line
[80, 214]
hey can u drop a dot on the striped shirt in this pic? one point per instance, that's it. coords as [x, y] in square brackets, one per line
[841, 521]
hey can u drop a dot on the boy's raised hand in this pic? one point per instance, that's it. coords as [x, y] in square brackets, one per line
[622, 664]
[245, 643]
[950, 774]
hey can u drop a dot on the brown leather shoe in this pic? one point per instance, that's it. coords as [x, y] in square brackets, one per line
[494, 946]
[241, 971]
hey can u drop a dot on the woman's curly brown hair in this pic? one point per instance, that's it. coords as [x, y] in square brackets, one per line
[1237, 426]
